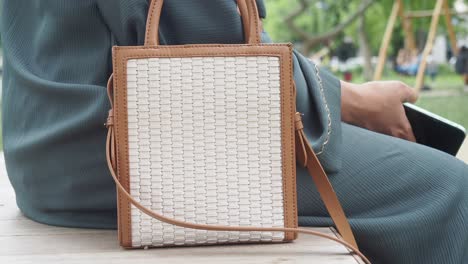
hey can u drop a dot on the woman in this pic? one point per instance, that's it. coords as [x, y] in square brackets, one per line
[462, 65]
[406, 203]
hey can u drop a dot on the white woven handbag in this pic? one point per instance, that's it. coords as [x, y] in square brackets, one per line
[203, 139]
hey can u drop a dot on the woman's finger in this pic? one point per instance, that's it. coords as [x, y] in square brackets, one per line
[408, 133]
[407, 94]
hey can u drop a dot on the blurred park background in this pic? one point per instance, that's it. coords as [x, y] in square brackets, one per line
[345, 36]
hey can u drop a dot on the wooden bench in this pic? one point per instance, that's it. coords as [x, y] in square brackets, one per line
[25, 241]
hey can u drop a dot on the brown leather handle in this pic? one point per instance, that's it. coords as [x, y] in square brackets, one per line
[247, 8]
[172, 221]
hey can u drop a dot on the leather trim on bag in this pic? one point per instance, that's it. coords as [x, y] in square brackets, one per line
[283, 51]
[121, 137]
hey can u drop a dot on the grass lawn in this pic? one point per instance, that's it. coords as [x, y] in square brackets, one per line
[448, 81]
[453, 105]
[454, 108]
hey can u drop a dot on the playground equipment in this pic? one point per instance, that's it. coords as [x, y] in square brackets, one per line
[441, 8]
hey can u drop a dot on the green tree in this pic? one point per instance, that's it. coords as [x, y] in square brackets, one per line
[312, 22]
[318, 17]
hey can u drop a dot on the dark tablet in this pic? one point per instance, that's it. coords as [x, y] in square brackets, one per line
[435, 131]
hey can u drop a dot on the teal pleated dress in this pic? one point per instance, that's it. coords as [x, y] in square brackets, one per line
[406, 203]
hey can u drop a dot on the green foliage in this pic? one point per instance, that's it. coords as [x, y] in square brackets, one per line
[375, 18]
[323, 15]
[318, 18]
[277, 10]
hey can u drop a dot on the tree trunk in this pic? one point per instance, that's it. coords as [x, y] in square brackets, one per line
[365, 49]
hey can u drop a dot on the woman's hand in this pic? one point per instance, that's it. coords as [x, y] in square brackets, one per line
[378, 106]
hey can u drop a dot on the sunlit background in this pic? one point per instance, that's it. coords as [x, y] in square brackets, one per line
[345, 35]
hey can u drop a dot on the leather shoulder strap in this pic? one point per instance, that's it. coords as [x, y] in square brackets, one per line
[110, 162]
[308, 157]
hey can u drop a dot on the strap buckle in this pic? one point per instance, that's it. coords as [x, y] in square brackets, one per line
[298, 121]
[110, 119]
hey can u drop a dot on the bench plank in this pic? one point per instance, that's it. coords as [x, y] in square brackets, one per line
[26, 241]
